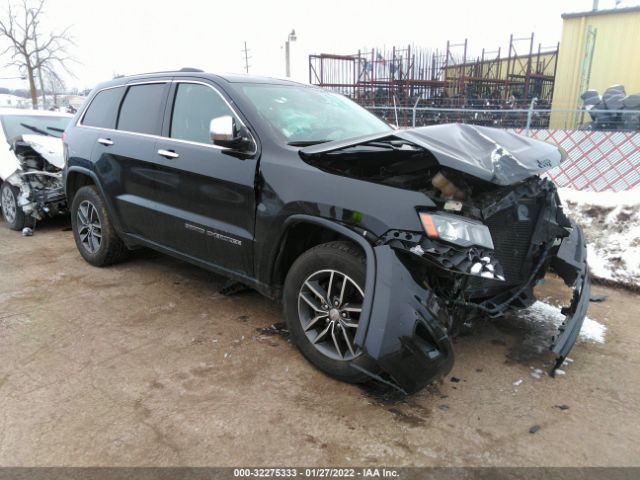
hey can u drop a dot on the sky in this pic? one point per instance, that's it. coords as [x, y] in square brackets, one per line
[136, 36]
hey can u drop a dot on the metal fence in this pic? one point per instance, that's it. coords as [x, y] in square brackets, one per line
[602, 156]
[526, 118]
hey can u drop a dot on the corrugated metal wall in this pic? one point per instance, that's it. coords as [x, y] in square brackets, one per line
[616, 57]
[541, 64]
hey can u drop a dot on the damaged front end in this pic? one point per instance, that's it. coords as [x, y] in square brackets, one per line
[496, 230]
[38, 178]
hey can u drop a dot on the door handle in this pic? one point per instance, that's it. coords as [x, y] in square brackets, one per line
[105, 141]
[168, 153]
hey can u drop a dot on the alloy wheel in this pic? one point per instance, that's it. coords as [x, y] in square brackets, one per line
[89, 227]
[329, 308]
[9, 204]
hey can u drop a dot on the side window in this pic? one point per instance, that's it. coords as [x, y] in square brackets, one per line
[194, 107]
[142, 109]
[103, 110]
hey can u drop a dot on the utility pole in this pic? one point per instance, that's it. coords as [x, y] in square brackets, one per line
[246, 58]
[290, 38]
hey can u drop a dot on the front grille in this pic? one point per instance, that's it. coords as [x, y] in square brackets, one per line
[512, 240]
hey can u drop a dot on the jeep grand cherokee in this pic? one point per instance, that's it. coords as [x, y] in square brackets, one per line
[379, 242]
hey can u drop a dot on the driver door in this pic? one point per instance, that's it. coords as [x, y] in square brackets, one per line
[209, 205]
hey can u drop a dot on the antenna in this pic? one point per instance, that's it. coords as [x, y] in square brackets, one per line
[246, 57]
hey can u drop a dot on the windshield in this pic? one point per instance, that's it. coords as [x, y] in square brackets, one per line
[15, 125]
[304, 115]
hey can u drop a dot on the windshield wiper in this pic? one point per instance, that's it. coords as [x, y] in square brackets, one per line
[307, 143]
[56, 129]
[36, 129]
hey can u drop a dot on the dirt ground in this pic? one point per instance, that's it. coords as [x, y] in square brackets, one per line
[145, 363]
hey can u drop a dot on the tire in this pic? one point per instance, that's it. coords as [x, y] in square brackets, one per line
[95, 237]
[13, 215]
[312, 269]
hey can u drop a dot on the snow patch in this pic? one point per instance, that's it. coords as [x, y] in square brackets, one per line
[611, 222]
[603, 199]
[541, 312]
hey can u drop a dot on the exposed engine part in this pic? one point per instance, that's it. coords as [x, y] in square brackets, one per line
[453, 206]
[446, 187]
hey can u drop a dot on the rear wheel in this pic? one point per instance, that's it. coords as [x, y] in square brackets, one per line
[95, 237]
[13, 215]
[323, 298]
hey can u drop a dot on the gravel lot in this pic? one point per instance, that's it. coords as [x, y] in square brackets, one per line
[145, 363]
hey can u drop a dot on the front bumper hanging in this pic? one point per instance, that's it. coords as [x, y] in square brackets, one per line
[570, 263]
[407, 334]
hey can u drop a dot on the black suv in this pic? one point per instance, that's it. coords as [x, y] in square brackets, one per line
[379, 242]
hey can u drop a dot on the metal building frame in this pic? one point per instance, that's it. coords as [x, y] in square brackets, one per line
[402, 76]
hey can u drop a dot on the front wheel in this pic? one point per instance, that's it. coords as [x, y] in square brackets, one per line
[323, 298]
[13, 215]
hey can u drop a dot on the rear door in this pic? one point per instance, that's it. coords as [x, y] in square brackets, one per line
[125, 157]
[210, 215]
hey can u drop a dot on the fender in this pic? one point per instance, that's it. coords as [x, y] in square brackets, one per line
[360, 240]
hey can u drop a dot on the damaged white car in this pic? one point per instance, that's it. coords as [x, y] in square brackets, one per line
[31, 163]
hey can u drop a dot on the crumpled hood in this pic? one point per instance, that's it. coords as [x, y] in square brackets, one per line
[491, 154]
[49, 147]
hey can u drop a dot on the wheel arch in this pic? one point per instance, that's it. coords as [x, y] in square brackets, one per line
[78, 177]
[315, 231]
[302, 232]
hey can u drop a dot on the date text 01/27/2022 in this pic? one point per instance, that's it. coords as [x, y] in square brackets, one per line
[316, 472]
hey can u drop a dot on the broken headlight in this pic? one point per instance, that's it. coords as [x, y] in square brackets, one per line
[455, 229]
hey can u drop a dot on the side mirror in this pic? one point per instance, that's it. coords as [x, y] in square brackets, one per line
[225, 133]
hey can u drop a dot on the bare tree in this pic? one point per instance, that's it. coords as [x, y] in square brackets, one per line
[55, 85]
[31, 50]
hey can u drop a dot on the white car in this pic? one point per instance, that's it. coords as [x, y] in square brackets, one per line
[31, 163]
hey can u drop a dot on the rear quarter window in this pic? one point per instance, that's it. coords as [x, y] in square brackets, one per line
[143, 108]
[103, 109]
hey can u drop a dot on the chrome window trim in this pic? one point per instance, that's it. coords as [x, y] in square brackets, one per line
[148, 135]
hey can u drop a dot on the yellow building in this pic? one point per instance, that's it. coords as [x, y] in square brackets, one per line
[598, 49]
